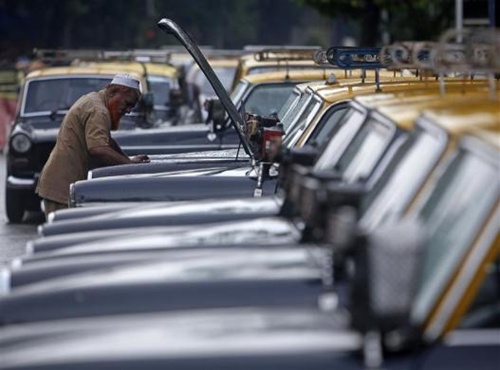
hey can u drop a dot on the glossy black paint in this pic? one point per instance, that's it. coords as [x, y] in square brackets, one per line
[242, 338]
[257, 338]
[117, 189]
[177, 220]
[273, 277]
[35, 269]
[174, 162]
[159, 214]
[259, 231]
[178, 139]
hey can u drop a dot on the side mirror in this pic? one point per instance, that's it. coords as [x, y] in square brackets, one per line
[385, 282]
[216, 114]
[176, 98]
[292, 159]
[265, 135]
[147, 101]
[305, 156]
[272, 143]
[323, 196]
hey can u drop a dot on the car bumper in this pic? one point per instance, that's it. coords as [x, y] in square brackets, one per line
[21, 183]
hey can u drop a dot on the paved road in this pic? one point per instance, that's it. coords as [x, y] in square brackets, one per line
[13, 237]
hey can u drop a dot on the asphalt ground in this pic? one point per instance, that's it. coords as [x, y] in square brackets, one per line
[13, 237]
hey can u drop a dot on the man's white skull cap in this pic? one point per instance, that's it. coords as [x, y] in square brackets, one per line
[125, 79]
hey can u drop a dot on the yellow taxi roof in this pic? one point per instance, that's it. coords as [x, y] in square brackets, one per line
[490, 135]
[423, 90]
[161, 69]
[400, 85]
[223, 62]
[406, 114]
[249, 61]
[151, 68]
[458, 118]
[293, 75]
[336, 78]
[107, 69]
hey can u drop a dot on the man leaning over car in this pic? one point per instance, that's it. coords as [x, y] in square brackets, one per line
[84, 140]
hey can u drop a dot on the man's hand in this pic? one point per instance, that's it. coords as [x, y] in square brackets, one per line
[141, 158]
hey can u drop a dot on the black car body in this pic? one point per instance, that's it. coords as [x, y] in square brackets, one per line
[38, 119]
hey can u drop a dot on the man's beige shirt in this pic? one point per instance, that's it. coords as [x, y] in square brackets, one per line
[86, 125]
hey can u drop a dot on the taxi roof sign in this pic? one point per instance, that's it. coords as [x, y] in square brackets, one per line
[354, 57]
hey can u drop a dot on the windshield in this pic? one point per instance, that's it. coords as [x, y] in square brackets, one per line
[407, 172]
[453, 215]
[44, 96]
[324, 128]
[238, 92]
[341, 138]
[304, 120]
[266, 99]
[224, 74]
[360, 158]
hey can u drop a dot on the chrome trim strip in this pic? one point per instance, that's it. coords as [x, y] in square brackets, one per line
[11, 180]
[474, 337]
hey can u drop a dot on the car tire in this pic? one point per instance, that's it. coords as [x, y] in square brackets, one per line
[14, 206]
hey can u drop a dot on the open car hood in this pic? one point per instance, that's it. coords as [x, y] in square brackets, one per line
[171, 28]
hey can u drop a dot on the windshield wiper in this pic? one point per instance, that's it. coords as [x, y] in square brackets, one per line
[58, 111]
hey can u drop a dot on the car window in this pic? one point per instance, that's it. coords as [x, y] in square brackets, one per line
[266, 99]
[407, 171]
[484, 311]
[325, 126]
[238, 92]
[365, 151]
[290, 117]
[304, 119]
[453, 214]
[292, 100]
[341, 138]
[47, 95]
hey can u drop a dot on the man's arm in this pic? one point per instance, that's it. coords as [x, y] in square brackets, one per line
[114, 145]
[113, 155]
[108, 156]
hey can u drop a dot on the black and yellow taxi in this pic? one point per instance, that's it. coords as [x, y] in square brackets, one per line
[44, 98]
[276, 59]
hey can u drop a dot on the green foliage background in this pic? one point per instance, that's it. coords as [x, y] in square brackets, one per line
[25, 24]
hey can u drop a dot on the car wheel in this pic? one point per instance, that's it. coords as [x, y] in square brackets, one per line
[14, 207]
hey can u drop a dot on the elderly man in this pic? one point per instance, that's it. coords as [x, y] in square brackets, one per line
[84, 140]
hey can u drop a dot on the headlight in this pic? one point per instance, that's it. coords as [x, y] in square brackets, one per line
[4, 281]
[20, 143]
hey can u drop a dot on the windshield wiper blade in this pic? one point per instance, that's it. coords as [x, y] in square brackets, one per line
[58, 111]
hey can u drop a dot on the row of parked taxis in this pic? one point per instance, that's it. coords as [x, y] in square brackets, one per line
[356, 227]
[168, 100]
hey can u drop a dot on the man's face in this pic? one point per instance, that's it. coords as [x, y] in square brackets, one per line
[119, 105]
